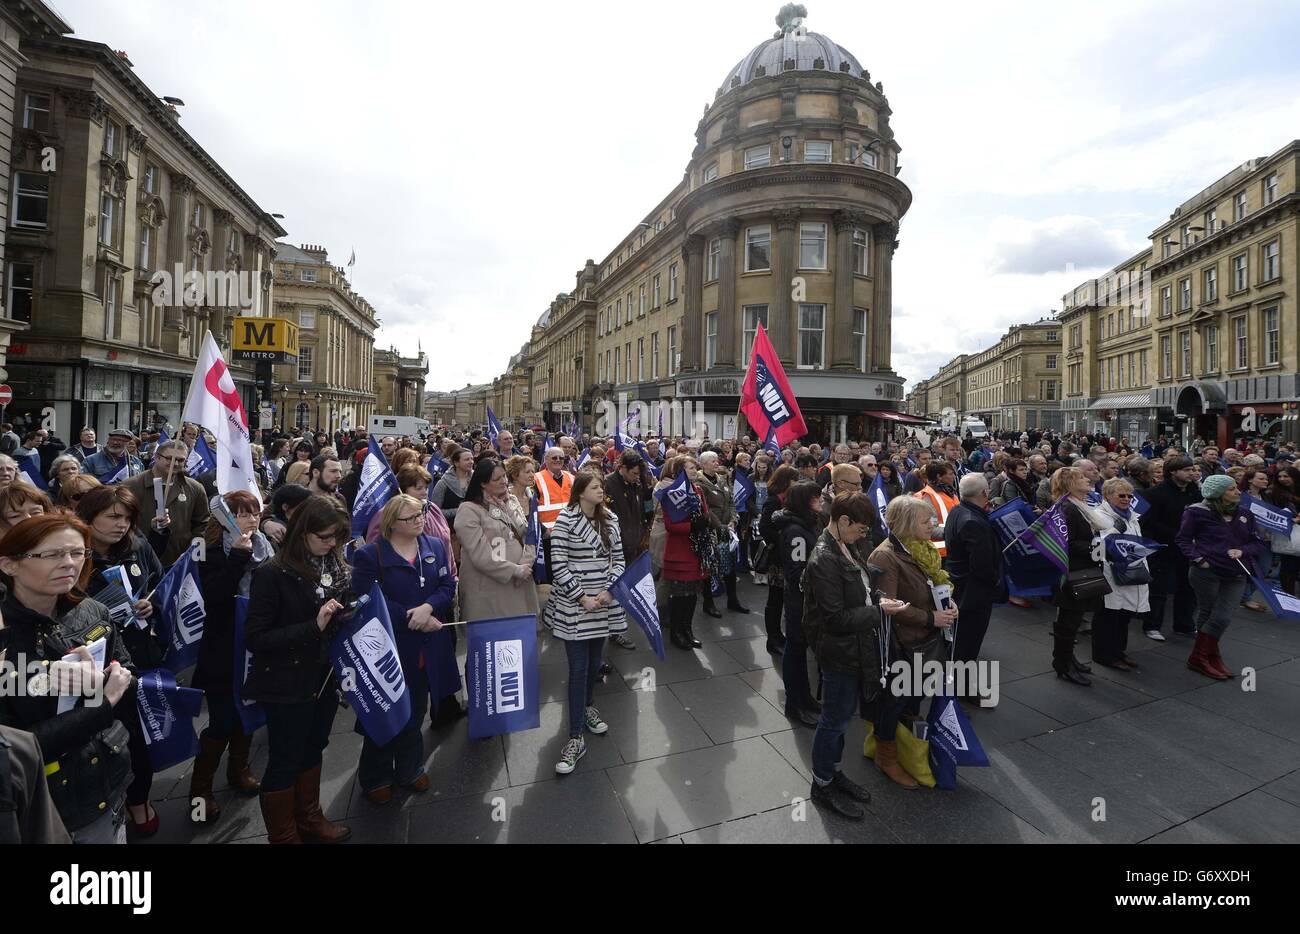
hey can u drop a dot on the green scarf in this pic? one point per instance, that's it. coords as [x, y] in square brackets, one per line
[927, 556]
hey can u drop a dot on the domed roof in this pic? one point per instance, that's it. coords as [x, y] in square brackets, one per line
[810, 51]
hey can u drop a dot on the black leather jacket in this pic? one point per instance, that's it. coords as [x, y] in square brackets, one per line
[839, 622]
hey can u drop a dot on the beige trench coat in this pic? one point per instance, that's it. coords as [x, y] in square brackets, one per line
[490, 553]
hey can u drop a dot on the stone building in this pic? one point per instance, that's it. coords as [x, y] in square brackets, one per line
[1015, 384]
[111, 205]
[399, 382]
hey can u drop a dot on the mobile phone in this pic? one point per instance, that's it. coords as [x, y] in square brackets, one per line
[354, 605]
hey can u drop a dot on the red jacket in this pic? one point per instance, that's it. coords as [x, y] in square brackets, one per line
[680, 562]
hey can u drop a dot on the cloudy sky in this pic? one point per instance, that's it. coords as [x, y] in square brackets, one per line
[475, 159]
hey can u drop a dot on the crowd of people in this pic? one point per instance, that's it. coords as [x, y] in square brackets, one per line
[850, 541]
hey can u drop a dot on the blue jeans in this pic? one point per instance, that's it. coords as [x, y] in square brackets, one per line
[841, 699]
[403, 758]
[584, 668]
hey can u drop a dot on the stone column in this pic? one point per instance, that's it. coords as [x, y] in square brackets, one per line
[882, 260]
[727, 330]
[692, 312]
[843, 355]
[780, 324]
[178, 250]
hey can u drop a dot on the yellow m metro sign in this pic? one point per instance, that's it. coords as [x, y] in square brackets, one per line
[272, 340]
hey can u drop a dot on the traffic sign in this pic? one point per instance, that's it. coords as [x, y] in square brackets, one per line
[6, 394]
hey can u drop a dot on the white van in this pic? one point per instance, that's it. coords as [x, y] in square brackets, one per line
[975, 426]
[398, 425]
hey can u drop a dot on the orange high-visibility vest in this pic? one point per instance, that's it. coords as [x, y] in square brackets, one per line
[942, 504]
[552, 496]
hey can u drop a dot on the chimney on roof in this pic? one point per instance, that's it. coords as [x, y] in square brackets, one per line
[315, 252]
[126, 59]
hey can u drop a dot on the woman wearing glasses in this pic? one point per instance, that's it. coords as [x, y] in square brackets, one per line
[44, 566]
[413, 571]
[292, 616]
[70, 493]
[1129, 582]
[117, 552]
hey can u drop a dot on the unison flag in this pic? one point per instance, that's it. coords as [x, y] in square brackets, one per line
[1124, 554]
[377, 487]
[953, 742]
[742, 490]
[501, 670]
[365, 660]
[180, 624]
[1029, 574]
[494, 427]
[880, 499]
[766, 398]
[201, 459]
[635, 592]
[1049, 537]
[1283, 605]
[167, 713]
[251, 715]
[1269, 517]
[678, 498]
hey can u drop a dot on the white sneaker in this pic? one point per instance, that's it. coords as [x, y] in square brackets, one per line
[594, 723]
[1156, 635]
[574, 750]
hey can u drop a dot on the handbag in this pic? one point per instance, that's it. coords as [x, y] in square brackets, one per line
[1086, 584]
[760, 556]
[1286, 544]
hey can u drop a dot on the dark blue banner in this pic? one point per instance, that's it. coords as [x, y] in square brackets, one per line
[678, 498]
[251, 714]
[742, 490]
[953, 742]
[377, 487]
[1028, 573]
[635, 593]
[533, 536]
[1283, 605]
[180, 624]
[369, 670]
[501, 672]
[167, 713]
[1269, 517]
[1139, 504]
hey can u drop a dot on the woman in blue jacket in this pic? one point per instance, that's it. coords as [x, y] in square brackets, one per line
[415, 576]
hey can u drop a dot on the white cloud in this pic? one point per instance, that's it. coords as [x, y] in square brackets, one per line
[1055, 244]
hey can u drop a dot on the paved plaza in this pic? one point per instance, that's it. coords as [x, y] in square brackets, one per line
[708, 757]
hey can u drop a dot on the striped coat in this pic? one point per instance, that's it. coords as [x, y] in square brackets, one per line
[582, 566]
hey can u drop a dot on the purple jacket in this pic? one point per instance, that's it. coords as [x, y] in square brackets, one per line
[1204, 536]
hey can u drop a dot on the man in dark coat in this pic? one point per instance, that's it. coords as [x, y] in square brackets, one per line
[1169, 567]
[975, 565]
[625, 495]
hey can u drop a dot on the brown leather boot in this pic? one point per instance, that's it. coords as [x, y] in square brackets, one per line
[205, 769]
[312, 824]
[1216, 660]
[277, 813]
[887, 762]
[237, 772]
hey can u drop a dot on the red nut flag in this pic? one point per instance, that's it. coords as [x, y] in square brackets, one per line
[214, 403]
[766, 399]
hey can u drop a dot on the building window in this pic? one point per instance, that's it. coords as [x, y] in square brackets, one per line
[600, 368]
[1269, 253]
[1166, 356]
[618, 353]
[1185, 353]
[307, 275]
[812, 246]
[1048, 390]
[1210, 290]
[640, 359]
[816, 150]
[751, 317]
[1272, 337]
[31, 199]
[861, 156]
[1210, 350]
[150, 179]
[629, 314]
[627, 357]
[710, 340]
[609, 368]
[710, 172]
[1076, 336]
[1270, 188]
[1131, 373]
[756, 157]
[1185, 294]
[812, 332]
[1142, 366]
[654, 355]
[1051, 361]
[1053, 336]
[107, 206]
[305, 352]
[307, 319]
[110, 138]
[199, 216]
[672, 283]
[860, 337]
[758, 249]
[36, 112]
[144, 260]
[618, 314]
[673, 362]
[861, 251]
[713, 260]
[19, 303]
[1241, 346]
[1239, 205]
[640, 301]
[1166, 301]
[1240, 271]
[1211, 221]
[110, 307]
[656, 292]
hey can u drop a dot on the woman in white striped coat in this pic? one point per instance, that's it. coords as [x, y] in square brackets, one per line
[586, 559]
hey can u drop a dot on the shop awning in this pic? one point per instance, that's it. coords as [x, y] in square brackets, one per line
[897, 417]
[1132, 400]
